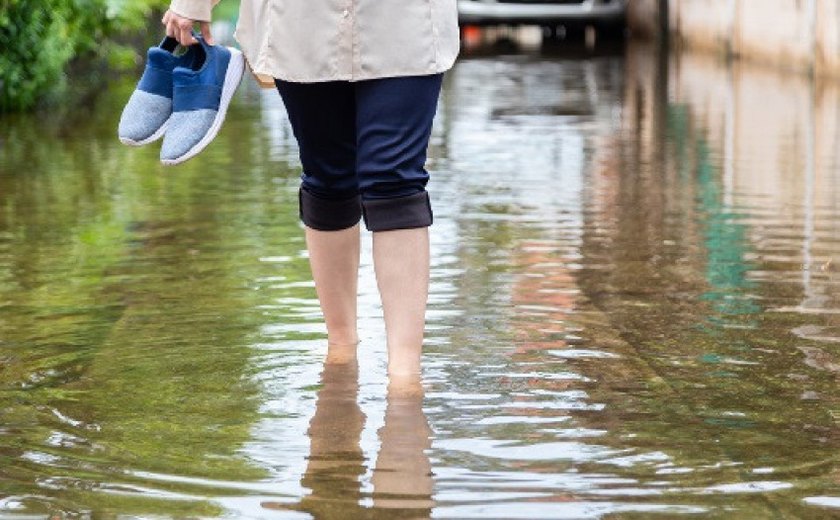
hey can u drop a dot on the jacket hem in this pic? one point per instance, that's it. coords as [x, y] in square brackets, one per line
[259, 66]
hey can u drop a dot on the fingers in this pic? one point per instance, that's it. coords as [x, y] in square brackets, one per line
[185, 27]
[205, 32]
[180, 28]
[167, 22]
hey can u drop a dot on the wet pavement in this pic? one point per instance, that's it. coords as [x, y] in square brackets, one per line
[634, 309]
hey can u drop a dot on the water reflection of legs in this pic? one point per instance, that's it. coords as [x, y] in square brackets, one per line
[336, 461]
[402, 479]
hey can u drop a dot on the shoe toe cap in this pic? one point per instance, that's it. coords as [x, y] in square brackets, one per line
[185, 131]
[144, 114]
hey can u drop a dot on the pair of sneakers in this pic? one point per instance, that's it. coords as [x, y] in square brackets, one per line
[181, 96]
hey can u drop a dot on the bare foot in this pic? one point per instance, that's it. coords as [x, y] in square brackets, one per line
[405, 386]
[341, 353]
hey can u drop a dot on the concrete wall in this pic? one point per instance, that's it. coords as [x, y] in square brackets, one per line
[802, 35]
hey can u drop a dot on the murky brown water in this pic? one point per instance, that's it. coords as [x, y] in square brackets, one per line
[634, 310]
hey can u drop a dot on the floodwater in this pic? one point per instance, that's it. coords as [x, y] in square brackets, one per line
[634, 309]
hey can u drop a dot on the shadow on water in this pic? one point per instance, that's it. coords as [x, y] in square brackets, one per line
[633, 308]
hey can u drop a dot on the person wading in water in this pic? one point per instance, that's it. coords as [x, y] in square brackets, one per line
[360, 80]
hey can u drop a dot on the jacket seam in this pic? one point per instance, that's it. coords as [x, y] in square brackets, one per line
[435, 41]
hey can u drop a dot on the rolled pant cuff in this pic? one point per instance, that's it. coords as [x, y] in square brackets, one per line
[328, 214]
[412, 211]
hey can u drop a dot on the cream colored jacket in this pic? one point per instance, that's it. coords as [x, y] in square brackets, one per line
[323, 40]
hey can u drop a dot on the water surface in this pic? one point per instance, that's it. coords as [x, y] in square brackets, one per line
[634, 309]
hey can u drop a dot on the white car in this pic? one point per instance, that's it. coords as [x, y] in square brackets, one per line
[572, 13]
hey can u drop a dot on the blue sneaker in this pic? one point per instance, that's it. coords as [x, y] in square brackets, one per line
[145, 116]
[201, 94]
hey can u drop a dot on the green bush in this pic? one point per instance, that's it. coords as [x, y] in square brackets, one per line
[40, 38]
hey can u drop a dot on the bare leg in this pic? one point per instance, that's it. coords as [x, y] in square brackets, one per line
[334, 260]
[401, 261]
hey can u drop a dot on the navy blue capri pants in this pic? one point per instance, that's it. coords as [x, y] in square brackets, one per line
[363, 148]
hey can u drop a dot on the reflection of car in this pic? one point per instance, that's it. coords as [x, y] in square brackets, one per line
[600, 13]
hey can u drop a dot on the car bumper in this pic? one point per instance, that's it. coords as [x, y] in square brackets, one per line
[483, 11]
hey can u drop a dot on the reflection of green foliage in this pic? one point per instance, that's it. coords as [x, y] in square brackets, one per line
[40, 38]
[128, 311]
